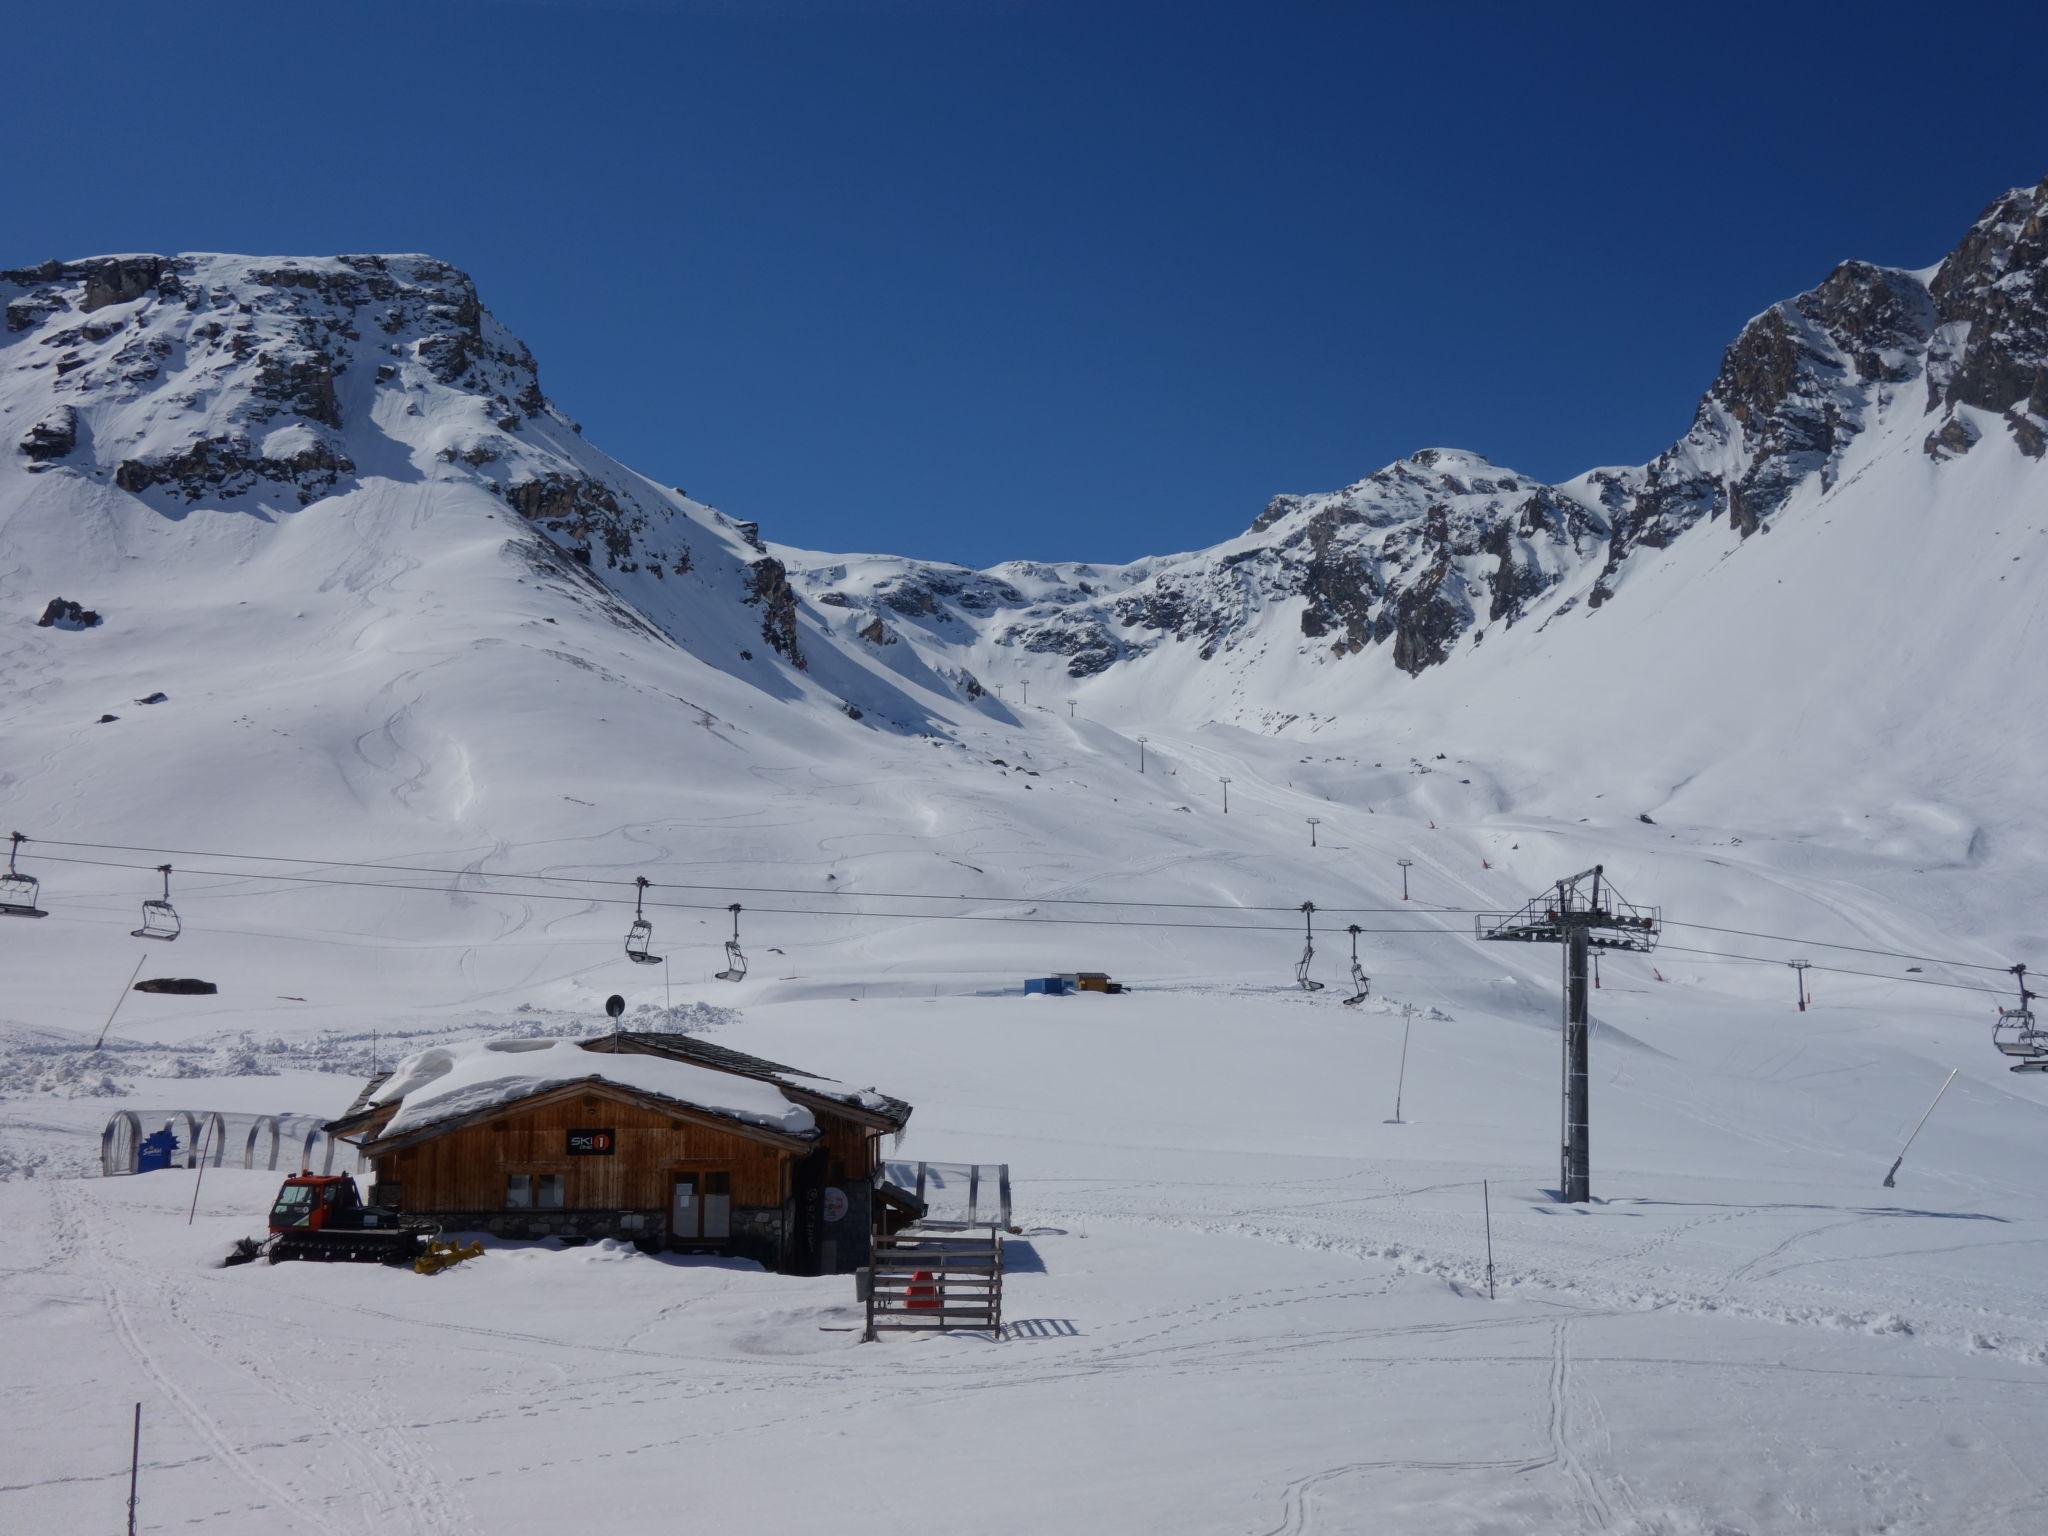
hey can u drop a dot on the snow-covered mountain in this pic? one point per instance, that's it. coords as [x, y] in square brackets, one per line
[298, 566]
[324, 507]
[1433, 554]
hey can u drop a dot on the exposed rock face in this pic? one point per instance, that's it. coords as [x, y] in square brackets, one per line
[1803, 379]
[1951, 440]
[53, 437]
[1992, 299]
[225, 467]
[875, 632]
[930, 591]
[768, 586]
[63, 613]
[120, 281]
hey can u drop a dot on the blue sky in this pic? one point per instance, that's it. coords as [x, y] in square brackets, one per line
[976, 280]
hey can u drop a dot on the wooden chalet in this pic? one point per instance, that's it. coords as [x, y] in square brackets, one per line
[633, 1150]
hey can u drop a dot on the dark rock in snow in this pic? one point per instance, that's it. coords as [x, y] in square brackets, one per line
[1951, 440]
[62, 613]
[768, 586]
[120, 280]
[53, 437]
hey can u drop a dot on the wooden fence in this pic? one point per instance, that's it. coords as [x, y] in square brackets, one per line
[927, 1281]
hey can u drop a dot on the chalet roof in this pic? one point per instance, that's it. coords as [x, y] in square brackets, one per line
[867, 1102]
[361, 1110]
[449, 1083]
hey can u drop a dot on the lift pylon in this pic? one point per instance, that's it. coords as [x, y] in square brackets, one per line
[1581, 914]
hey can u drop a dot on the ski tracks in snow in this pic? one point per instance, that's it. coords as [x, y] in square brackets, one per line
[395, 1485]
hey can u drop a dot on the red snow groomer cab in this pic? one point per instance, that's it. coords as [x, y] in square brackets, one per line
[320, 1216]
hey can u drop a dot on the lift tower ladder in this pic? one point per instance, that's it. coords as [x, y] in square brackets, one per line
[1582, 914]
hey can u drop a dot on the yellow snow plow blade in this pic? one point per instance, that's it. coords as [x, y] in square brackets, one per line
[440, 1255]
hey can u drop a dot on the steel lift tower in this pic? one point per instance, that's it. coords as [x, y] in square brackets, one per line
[1582, 914]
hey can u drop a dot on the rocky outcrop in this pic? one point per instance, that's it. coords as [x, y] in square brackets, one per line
[53, 437]
[120, 281]
[300, 380]
[221, 468]
[875, 632]
[1951, 440]
[1992, 299]
[768, 588]
[63, 613]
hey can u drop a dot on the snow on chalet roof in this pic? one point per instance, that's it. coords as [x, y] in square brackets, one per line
[448, 1081]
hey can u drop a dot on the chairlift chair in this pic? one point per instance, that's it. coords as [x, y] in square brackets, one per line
[159, 917]
[2016, 1034]
[1361, 984]
[1302, 978]
[641, 934]
[18, 892]
[735, 958]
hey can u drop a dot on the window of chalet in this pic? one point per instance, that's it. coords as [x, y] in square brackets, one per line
[533, 1191]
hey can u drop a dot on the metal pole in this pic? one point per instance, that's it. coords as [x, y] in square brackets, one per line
[134, 1467]
[1404, 863]
[1889, 1177]
[1401, 1080]
[1486, 1196]
[1226, 797]
[205, 1137]
[1577, 1171]
[120, 1000]
[1141, 753]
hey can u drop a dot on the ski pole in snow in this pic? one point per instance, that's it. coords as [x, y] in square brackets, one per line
[1889, 1178]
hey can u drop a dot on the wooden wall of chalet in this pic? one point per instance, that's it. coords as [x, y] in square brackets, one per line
[849, 1146]
[465, 1169]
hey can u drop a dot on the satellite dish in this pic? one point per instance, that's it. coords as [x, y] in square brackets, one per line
[615, 1005]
